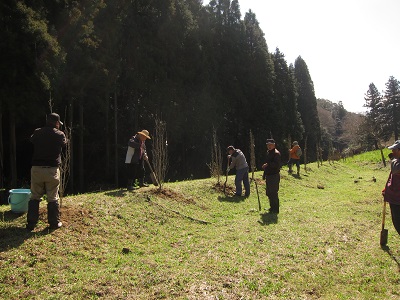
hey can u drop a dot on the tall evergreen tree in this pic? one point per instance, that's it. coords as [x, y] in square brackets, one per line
[392, 105]
[376, 122]
[286, 98]
[307, 104]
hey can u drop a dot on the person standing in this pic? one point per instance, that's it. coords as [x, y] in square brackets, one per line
[272, 176]
[48, 142]
[238, 161]
[135, 156]
[391, 192]
[294, 158]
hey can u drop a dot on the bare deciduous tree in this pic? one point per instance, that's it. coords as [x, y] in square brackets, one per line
[160, 150]
[65, 164]
[215, 165]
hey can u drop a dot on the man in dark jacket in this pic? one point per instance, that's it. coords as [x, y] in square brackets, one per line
[391, 192]
[272, 176]
[48, 142]
[135, 157]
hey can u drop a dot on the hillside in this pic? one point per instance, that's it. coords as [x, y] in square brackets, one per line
[193, 242]
[338, 124]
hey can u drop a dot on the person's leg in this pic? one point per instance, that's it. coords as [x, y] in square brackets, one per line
[246, 182]
[395, 211]
[142, 173]
[52, 188]
[298, 166]
[272, 192]
[290, 165]
[135, 174]
[37, 192]
[238, 181]
[130, 174]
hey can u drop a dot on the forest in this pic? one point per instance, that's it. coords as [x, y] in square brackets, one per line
[112, 68]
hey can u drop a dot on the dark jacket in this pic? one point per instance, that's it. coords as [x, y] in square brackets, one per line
[136, 143]
[392, 188]
[274, 162]
[47, 143]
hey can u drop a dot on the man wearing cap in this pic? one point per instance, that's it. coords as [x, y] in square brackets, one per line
[272, 176]
[47, 142]
[391, 193]
[238, 161]
[294, 158]
[134, 159]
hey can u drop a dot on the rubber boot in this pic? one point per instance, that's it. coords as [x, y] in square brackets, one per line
[298, 171]
[130, 185]
[33, 214]
[142, 183]
[53, 215]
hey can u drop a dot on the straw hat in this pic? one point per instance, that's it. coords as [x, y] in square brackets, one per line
[145, 133]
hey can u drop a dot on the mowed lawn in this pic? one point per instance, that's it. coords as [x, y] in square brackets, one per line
[190, 241]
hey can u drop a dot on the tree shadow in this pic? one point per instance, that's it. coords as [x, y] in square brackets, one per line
[13, 237]
[233, 199]
[11, 216]
[119, 193]
[390, 253]
[268, 218]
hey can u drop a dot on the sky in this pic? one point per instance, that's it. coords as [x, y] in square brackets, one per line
[346, 44]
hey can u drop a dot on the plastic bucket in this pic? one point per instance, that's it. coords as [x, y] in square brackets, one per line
[18, 199]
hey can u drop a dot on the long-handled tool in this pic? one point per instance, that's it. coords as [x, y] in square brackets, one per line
[226, 177]
[152, 174]
[384, 232]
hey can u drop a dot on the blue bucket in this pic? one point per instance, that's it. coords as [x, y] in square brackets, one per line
[19, 199]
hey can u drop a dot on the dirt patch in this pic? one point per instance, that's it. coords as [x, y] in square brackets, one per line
[171, 194]
[219, 187]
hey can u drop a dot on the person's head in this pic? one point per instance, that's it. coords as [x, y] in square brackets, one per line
[144, 135]
[395, 149]
[230, 150]
[295, 143]
[54, 120]
[270, 144]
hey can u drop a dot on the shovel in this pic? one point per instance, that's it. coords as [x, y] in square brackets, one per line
[226, 177]
[152, 174]
[384, 232]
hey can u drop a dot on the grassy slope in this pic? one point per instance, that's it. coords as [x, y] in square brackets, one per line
[117, 245]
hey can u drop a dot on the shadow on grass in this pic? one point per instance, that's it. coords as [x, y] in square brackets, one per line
[268, 218]
[13, 237]
[119, 193]
[10, 216]
[296, 176]
[390, 253]
[233, 199]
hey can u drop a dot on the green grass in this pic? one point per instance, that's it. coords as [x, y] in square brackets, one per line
[192, 242]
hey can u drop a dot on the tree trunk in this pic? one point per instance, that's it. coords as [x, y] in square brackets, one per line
[81, 159]
[116, 137]
[1, 151]
[107, 137]
[305, 154]
[13, 150]
[71, 122]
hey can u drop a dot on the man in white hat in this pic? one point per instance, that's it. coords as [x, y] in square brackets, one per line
[134, 160]
[391, 193]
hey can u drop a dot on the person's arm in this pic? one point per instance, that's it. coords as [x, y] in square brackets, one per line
[395, 166]
[276, 161]
[134, 143]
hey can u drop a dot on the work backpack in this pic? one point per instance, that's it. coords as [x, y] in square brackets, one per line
[299, 152]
